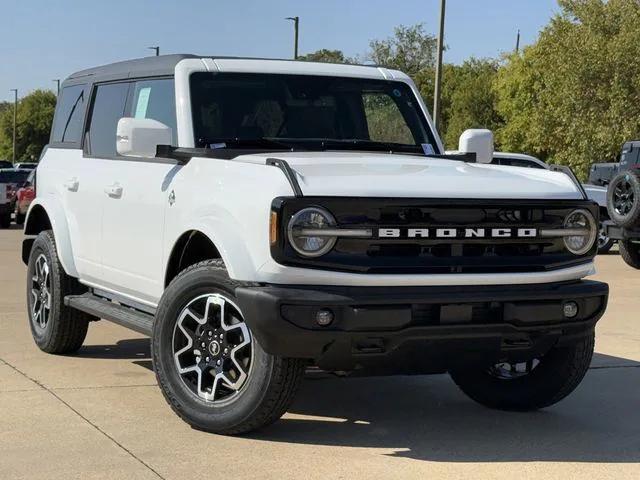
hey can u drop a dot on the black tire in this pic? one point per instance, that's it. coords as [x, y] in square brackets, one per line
[559, 372]
[270, 384]
[5, 220]
[630, 253]
[64, 329]
[604, 242]
[20, 217]
[623, 199]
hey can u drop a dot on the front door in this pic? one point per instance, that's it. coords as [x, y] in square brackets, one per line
[136, 194]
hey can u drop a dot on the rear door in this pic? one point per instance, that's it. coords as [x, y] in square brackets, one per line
[136, 196]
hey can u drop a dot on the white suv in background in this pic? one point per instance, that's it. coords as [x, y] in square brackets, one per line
[255, 217]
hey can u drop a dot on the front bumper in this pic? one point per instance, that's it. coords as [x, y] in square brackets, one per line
[419, 329]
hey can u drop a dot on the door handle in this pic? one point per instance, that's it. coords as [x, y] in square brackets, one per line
[114, 191]
[72, 184]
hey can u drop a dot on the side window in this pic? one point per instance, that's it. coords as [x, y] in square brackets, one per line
[67, 125]
[108, 107]
[386, 123]
[155, 99]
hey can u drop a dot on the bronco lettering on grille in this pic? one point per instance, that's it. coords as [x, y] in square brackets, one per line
[449, 232]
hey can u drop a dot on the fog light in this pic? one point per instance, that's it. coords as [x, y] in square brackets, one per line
[324, 317]
[570, 309]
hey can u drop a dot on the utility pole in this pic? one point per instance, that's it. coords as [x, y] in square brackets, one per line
[15, 120]
[518, 41]
[57, 80]
[296, 27]
[438, 87]
[157, 49]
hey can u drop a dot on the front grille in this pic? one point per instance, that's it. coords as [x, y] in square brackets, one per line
[436, 255]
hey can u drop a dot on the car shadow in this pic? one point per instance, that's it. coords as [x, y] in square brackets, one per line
[428, 418]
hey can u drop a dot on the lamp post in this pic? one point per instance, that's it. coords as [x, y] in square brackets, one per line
[438, 87]
[157, 50]
[57, 80]
[15, 120]
[518, 42]
[296, 26]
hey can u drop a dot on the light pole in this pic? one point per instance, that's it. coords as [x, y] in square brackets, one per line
[157, 49]
[57, 80]
[15, 120]
[436, 93]
[296, 26]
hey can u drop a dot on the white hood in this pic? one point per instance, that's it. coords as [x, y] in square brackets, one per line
[358, 174]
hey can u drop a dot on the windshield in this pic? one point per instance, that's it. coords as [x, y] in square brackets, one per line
[279, 110]
[13, 176]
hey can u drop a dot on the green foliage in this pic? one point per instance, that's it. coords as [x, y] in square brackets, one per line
[326, 56]
[35, 115]
[574, 96]
[410, 50]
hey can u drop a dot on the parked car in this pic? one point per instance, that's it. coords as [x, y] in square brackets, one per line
[623, 203]
[596, 193]
[602, 173]
[11, 179]
[26, 165]
[259, 216]
[5, 205]
[24, 197]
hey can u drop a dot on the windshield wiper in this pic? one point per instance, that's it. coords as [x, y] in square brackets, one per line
[262, 142]
[363, 144]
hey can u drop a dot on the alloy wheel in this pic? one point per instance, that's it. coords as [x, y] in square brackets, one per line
[212, 348]
[623, 198]
[41, 292]
[510, 371]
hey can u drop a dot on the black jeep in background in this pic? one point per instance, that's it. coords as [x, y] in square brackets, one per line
[623, 204]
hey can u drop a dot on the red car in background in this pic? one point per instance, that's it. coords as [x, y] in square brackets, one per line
[24, 196]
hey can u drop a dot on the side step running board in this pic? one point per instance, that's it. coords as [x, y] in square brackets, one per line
[127, 317]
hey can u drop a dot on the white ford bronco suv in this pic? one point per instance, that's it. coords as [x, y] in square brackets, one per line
[256, 217]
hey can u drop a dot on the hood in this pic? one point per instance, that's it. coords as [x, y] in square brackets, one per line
[359, 174]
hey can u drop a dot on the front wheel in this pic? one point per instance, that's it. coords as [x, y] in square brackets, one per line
[630, 252]
[604, 242]
[530, 385]
[210, 368]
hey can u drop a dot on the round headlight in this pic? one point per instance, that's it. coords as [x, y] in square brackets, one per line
[305, 235]
[586, 231]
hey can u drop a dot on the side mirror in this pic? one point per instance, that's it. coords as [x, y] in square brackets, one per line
[478, 141]
[140, 137]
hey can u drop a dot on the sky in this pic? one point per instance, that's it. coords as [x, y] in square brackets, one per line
[41, 40]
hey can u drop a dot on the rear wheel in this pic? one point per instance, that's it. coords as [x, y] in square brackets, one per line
[623, 199]
[604, 242]
[5, 220]
[531, 385]
[630, 252]
[55, 327]
[210, 368]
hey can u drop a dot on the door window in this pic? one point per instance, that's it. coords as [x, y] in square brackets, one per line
[108, 107]
[155, 99]
[67, 125]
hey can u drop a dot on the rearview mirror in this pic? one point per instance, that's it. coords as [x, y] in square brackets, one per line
[478, 141]
[140, 137]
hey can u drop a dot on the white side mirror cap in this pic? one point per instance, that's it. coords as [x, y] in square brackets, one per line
[478, 141]
[140, 137]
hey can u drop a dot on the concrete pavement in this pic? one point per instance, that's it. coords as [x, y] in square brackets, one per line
[99, 413]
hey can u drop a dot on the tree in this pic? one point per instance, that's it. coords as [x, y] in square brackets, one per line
[326, 56]
[410, 49]
[35, 115]
[574, 96]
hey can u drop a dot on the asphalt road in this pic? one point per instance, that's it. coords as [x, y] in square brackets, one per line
[99, 413]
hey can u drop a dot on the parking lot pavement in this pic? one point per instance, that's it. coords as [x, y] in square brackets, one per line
[99, 414]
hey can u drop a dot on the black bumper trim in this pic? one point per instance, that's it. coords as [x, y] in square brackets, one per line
[435, 327]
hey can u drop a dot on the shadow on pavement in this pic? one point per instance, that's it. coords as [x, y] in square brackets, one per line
[428, 418]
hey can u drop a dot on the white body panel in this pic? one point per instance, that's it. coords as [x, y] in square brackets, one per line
[121, 226]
